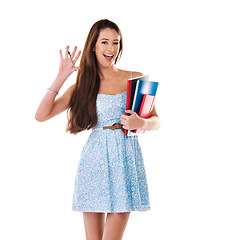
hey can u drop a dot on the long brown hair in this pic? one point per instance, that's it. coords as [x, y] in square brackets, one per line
[82, 111]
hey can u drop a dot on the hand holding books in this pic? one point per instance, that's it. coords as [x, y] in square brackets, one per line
[141, 95]
[132, 121]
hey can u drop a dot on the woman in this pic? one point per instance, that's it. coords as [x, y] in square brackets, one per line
[111, 175]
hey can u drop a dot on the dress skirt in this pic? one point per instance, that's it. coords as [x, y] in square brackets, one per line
[111, 176]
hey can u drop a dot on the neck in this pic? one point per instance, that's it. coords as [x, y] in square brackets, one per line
[108, 73]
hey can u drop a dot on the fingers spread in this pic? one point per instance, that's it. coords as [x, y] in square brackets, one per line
[77, 56]
[73, 52]
[66, 53]
[61, 56]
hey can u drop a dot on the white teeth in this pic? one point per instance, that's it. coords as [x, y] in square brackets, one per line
[108, 55]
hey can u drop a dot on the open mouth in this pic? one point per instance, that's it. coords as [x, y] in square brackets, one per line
[109, 57]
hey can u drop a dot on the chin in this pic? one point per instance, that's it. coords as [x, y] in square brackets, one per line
[104, 61]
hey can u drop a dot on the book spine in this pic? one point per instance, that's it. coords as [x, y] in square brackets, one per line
[129, 87]
[133, 105]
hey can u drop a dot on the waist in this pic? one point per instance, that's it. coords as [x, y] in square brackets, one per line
[114, 126]
[109, 122]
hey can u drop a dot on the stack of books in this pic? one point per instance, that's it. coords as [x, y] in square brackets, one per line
[141, 94]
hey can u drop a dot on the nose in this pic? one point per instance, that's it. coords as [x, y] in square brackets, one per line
[111, 47]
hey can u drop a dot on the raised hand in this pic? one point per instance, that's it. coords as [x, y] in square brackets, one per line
[66, 67]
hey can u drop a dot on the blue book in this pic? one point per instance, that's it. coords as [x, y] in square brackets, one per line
[143, 87]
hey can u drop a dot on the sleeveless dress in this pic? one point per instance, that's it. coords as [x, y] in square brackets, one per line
[111, 174]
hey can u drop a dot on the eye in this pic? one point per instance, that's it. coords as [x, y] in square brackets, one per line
[116, 43]
[104, 42]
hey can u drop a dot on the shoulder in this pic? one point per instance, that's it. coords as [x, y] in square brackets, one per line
[136, 74]
[71, 89]
[127, 74]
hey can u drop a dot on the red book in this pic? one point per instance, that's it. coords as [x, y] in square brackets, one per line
[145, 109]
[129, 87]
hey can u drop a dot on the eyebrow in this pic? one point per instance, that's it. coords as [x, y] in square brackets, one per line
[108, 39]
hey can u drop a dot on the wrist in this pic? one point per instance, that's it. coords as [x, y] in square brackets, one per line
[63, 75]
[61, 78]
[57, 84]
[144, 123]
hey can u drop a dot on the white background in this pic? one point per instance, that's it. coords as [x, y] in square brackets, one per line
[192, 161]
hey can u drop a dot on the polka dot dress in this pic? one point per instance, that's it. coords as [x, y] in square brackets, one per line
[111, 174]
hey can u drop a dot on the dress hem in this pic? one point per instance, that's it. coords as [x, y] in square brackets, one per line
[145, 208]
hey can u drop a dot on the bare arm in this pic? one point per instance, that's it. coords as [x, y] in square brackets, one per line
[152, 123]
[49, 107]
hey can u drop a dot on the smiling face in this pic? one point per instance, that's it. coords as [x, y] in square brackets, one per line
[107, 47]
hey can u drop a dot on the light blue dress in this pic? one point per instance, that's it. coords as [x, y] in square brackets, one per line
[111, 174]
